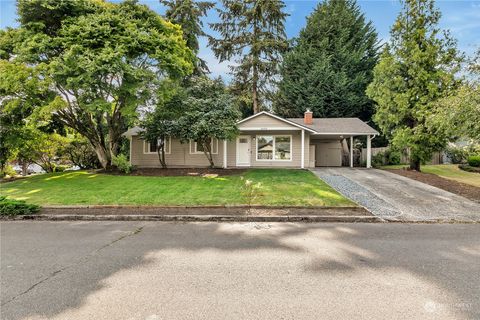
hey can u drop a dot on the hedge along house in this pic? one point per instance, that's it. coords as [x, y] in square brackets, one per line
[265, 140]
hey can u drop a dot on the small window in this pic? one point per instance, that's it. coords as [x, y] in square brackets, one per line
[243, 140]
[152, 148]
[197, 148]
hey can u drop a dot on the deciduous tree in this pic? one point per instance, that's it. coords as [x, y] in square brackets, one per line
[211, 114]
[103, 60]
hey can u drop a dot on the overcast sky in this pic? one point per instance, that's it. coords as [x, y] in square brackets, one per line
[462, 18]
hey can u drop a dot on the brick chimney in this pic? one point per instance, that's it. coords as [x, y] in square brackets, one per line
[308, 117]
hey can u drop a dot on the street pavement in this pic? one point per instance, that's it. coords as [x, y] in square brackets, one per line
[161, 270]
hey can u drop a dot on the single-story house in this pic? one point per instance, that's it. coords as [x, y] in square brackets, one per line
[265, 140]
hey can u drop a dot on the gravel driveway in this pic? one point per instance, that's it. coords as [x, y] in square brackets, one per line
[394, 197]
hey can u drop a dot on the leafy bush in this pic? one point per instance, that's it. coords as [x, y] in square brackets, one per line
[81, 154]
[392, 157]
[474, 161]
[378, 160]
[456, 154]
[122, 163]
[8, 171]
[10, 207]
[59, 168]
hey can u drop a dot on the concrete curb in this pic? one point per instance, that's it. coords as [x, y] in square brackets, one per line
[194, 218]
[108, 206]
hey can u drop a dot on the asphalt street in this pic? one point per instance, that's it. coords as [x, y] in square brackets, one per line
[159, 270]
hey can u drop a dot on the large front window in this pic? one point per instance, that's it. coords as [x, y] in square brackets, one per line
[274, 147]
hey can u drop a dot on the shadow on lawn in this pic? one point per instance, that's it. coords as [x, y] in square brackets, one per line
[372, 246]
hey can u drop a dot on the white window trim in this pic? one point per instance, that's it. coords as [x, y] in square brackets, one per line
[273, 146]
[194, 144]
[146, 147]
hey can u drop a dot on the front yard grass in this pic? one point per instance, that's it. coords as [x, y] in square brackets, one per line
[277, 187]
[447, 171]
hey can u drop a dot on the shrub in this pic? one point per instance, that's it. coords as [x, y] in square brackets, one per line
[456, 154]
[10, 207]
[378, 160]
[81, 154]
[8, 171]
[392, 157]
[474, 161]
[59, 168]
[122, 163]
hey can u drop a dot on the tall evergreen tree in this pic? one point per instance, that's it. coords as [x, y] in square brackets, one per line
[330, 64]
[416, 70]
[253, 32]
[188, 14]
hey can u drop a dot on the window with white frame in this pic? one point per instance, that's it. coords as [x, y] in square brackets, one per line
[152, 148]
[273, 147]
[197, 148]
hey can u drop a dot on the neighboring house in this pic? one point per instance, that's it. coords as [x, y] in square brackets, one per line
[265, 140]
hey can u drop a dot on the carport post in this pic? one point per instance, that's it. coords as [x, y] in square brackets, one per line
[303, 150]
[351, 152]
[369, 152]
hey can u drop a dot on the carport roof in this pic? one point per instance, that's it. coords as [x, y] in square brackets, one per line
[341, 126]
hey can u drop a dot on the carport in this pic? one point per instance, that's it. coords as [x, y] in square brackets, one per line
[328, 137]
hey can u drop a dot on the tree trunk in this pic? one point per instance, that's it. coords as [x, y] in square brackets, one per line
[24, 168]
[161, 154]
[255, 94]
[102, 157]
[255, 57]
[415, 165]
[208, 152]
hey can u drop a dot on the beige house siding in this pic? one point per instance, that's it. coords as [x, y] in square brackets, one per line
[179, 156]
[266, 123]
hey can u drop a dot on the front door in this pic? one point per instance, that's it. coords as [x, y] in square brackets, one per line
[243, 151]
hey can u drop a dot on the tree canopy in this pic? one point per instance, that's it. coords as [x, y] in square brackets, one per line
[253, 33]
[416, 69]
[188, 14]
[330, 64]
[459, 113]
[210, 114]
[103, 61]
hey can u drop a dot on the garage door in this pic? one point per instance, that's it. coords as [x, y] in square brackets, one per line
[328, 154]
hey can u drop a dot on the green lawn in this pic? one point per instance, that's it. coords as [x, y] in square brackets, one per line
[448, 171]
[278, 187]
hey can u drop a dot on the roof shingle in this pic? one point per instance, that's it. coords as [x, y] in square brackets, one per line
[337, 125]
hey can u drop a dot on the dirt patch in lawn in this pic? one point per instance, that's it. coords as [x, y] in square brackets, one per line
[178, 172]
[462, 189]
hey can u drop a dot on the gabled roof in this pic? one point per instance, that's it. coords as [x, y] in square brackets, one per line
[321, 126]
[295, 124]
[346, 126]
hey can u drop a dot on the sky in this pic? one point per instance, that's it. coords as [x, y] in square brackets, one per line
[461, 17]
